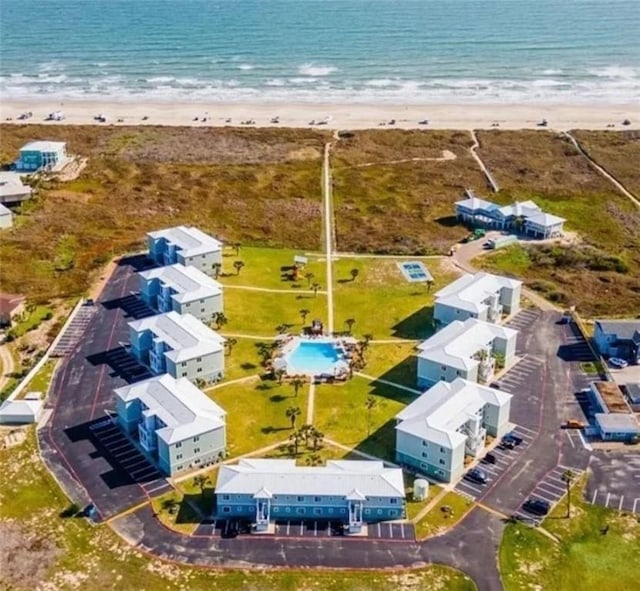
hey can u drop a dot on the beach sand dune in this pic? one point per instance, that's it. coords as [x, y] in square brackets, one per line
[330, 116]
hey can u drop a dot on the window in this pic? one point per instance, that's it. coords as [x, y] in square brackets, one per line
[300, 499]
[301, 510]
[424, 443]
[199, 359]
[343, 511]
[196, 438]
[196, 450]
[442, 450]
[179, 457]
[317, 511]
[443, 367]
[184, 374]
[393, 501]
[288, 509]
[423, 465]
[425, 454]
[226, 509]
[199, 370]
[276, 509]
[379, 511]
[183, 364]
[331, 510]
[204, 256]
[317, 499]
[441, 462]
[179, 444]
[202, 301]
[367, 511]
[201, 309]
[187, 305]
[393, 513]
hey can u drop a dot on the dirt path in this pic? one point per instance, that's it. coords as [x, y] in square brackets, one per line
[476, 144]
[271, 289]
[6, 365]
[446, 156]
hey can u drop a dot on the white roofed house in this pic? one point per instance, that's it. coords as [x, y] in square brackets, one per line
[468, 350]
[185, 245]
[450, 421]
[185, 290]
[12, 189]
[544, 225]
[173, 421]
[474, 210]
[42, 155]
[483, 296]
[6, 217]
[354, 492]
[181, 346]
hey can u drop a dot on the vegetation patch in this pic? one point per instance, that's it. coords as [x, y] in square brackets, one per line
[450, 509]
[597, 549]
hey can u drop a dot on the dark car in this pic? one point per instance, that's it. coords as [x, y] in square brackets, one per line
[507, 444]
[489, 459]
[476, 475]
[517, 440]
[537, 506]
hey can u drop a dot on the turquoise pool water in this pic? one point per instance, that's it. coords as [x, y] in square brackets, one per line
[312, 358]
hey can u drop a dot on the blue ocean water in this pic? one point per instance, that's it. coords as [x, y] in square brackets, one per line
[400, 51]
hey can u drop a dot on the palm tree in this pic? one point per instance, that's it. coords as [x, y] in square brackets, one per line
[170, 505]
[237, 266]
[309, 276]
[282, 328]
[236, 248]
[217, 268]
[280, 373]
[229, 343]
[304, 313]
[350, 322]
[296, 439]
[315, 287]
[429, 284]
[313, 460]
[201, 481]
[306, 431]
[297, 382]
[220, 319]
[568, 477]
[317, 437]
[370, 403]
[292, 413]
[354, 273]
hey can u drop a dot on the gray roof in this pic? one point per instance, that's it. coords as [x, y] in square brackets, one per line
[617, 422]
[191, 241]
[185, 335]
[439, 412]
[19, 408]
[545, 220]
[5, 210]
[475, 203]
[189, 283]
[469, 292]
[457, 343]
[344, 478]
[623, 329]
[634, 392]
[182, 407]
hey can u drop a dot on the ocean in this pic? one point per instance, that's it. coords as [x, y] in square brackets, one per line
[335, 51]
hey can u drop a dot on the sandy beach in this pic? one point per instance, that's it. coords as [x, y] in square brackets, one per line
[333, 116]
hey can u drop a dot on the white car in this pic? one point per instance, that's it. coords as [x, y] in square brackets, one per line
[617, 363]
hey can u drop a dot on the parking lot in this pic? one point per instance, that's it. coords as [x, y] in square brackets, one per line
[523, 321]
[110, 439]
[528, 368]
[551, 489]
[615, 481]
[74, 331]
[504, 459]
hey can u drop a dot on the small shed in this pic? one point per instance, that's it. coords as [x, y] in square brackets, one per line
[300, 260]
[20, 412]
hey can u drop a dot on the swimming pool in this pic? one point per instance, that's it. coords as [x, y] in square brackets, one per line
[415, 271]
[313, 358]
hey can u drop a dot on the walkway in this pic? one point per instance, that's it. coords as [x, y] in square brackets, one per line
[446, 156]
[328, 233]
[485, 170]
[388, 383]
[271, 289]
[6, 365]
[628, 194]
[311, 403]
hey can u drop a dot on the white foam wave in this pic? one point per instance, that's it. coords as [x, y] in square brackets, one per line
[380, 82]
[312, 70]
[615, 72]
[551, 72]
[245, 67]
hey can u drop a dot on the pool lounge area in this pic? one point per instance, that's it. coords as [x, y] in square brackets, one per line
[320, 358]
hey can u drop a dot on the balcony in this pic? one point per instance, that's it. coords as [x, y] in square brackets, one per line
[147, 438]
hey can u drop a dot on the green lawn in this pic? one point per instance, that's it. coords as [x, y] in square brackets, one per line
[256, 413]
[598, 549]
[49, 551]
[259, 313]
[394, 362]
[269, 268]
[444, 515]
[29, 320]
[381, 301]
[340, 413]
[42, 379]
[243, 360]
[413, 506]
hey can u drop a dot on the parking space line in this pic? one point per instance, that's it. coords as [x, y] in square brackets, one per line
[595, 494]
[537, 494]
[551, 485]
[302, 528]
[402, 530]
[543, 487]
[620, 504]
[607, 501]
[635, 502]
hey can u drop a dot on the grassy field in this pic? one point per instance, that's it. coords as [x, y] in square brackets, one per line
[243, 360]
[381, 301]
[45, 550]
[256, 413]
[42, 379]
[240, 185]
[403, 207]
[394, 362]
[258, 313]
[601, 273]
[340, 413]
[445, 514]
[597, 549]
[617, 151]
[269, 268]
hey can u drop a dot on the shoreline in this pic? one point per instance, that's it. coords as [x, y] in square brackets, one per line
[337, 116]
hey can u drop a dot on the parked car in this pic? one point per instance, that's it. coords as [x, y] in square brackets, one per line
[537, 506]
[517, 440]
[476, 475]
[88, 302]
[489, 459]
[617, 362]
[574, 424]
[507, 444]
